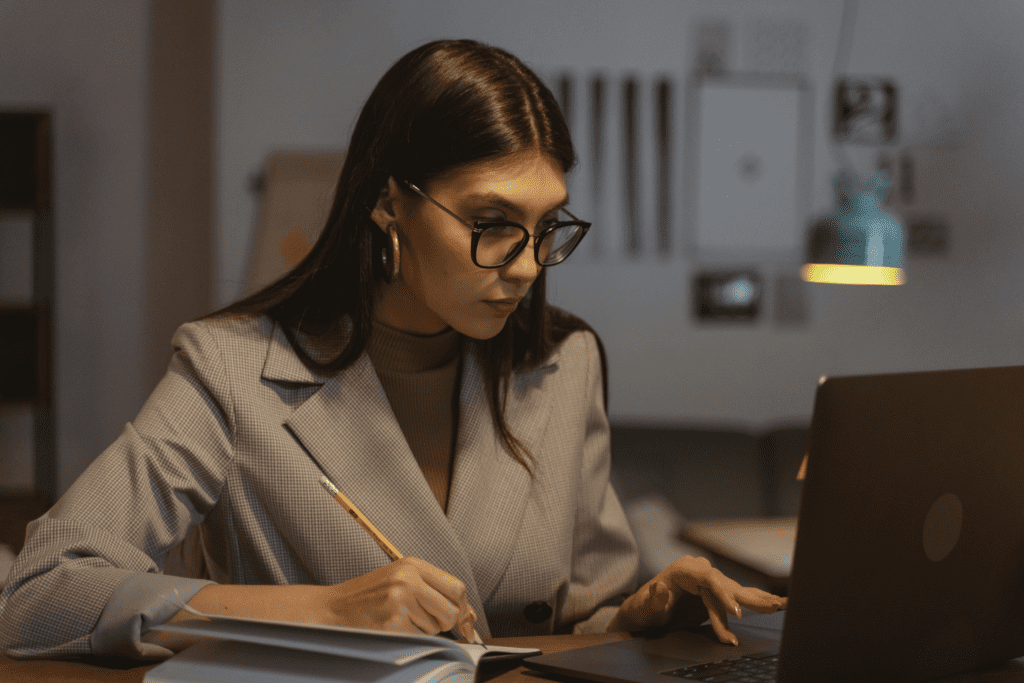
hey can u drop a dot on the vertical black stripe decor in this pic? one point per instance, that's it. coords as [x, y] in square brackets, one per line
[597, 159]
[565, 103]
[565, 99]
[630, 154]
[663, 130]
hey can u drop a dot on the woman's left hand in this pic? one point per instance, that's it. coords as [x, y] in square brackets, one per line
[655, 603]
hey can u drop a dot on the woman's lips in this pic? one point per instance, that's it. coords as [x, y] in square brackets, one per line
[503, 306]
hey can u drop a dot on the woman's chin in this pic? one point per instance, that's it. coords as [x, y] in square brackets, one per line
[481, 329]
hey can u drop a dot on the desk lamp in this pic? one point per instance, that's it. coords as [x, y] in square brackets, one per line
[857, 242]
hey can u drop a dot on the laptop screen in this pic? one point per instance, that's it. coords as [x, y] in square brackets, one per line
[909, 559]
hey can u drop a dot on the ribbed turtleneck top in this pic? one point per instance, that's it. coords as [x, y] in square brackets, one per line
[419, 374]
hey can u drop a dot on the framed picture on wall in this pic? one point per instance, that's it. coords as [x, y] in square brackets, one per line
[748, 159]
[727, 295]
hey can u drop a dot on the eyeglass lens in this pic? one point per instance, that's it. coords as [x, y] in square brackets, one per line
[499, 243]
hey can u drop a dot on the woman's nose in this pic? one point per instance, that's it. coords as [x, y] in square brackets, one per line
[523, 268]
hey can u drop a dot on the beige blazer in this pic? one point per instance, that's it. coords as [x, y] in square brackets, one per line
[233, 441]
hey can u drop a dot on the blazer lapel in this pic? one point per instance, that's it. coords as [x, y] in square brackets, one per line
[490, 488]
[349, 429]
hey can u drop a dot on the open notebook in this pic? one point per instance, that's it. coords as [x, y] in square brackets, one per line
[236, 649]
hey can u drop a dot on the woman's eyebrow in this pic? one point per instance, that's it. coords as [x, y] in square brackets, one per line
[499, 200]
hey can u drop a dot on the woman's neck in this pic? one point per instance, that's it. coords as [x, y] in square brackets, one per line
[398, 308]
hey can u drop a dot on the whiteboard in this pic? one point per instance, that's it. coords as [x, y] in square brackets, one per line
[751, 169]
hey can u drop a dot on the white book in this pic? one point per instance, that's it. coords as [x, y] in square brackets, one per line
[240, 650]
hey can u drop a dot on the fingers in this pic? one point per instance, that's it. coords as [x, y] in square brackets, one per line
[719, 620]
[658, 606]
[466, 627]
[408, 595]
[724, 599]
[725, 594]
[722, 596]
[759, 600]
[447, 602]
[661, 597]
[422, 621]
[718, 611]
[732, 595]
[444, 583]
[439, 580]
[650, 607]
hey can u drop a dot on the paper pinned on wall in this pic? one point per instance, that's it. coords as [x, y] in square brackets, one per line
[296, 196]
[751, 170]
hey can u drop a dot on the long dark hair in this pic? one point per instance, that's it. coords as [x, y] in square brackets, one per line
[445, 104]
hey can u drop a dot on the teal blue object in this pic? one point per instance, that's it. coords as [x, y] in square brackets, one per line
[858, 231]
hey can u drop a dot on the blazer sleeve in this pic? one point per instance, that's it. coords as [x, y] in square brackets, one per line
[88, 580]
[605, 562]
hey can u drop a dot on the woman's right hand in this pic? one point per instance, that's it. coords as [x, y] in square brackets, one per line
[408, 595]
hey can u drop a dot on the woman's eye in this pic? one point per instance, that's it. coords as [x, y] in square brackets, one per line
[489, 218]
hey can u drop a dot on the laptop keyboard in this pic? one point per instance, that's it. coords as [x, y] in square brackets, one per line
[756, 668]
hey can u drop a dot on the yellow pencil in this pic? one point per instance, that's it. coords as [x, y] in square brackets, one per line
[375, 534]
[351, 509]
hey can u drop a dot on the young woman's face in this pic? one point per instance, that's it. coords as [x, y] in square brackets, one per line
[438, 284]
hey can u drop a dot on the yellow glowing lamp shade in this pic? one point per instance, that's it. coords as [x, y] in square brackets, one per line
[857, 242]
[846, 274]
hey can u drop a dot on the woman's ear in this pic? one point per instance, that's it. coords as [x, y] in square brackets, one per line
[383, 213]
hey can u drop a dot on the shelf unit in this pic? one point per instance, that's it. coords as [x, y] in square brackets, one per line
[26, 328]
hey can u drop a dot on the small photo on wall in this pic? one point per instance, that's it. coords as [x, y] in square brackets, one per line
[727, 296]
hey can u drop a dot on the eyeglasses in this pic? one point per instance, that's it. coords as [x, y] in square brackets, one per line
[497, 243]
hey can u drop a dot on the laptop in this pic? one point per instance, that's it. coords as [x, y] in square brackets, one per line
[909, 557]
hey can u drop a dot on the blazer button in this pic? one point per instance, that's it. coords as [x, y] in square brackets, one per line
[537, 612]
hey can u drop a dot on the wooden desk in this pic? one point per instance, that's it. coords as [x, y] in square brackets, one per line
[127, 671]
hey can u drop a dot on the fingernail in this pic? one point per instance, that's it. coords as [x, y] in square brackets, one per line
[736, 609]
[734, 641]
[657, 596]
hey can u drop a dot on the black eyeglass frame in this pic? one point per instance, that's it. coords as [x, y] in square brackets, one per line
[478, 228]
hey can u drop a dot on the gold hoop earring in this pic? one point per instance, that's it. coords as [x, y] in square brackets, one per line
[391, 272]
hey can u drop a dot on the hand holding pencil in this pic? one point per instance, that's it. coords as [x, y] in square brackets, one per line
[409, 594]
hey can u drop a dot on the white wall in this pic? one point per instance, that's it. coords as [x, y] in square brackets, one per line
[294, 76]
[87, 62]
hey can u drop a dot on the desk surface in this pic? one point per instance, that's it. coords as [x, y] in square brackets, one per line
[125, 671]
[764, 545]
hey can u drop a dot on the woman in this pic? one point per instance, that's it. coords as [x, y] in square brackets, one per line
[411, 358]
